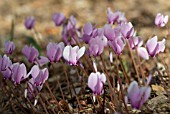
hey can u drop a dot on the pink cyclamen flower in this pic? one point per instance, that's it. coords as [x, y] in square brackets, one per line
[5, 63]
[55, 51]
[19, 72]
[88, 30]
[161, 20]
[70, 31]
[110, 33]
[137, 42]
[71, 23]
[126, 29]
[30, 53]
[96, 82]
[117, 44]
[96, 45]
[39, 76]
[73, 54]
[59, 19]
[154, 47]
[9, 47]
[29, 22]
[41, 61]
[117, 16]
[138, 95]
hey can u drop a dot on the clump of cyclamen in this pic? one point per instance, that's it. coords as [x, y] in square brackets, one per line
[16, 71]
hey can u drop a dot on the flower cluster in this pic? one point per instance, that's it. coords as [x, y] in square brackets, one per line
[76, 42]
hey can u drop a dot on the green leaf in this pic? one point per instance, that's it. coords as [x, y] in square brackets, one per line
[34, 43]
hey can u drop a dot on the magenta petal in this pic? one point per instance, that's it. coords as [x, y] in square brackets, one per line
[88, 28]
[59, 19]
[86, 38]
[51, 51]
[109, 33]
[132, 90]
[42, 61]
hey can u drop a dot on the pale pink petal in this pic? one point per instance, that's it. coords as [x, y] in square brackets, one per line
[143, 53]
[151, 44]
[92, 81]
[66, 53]
[88, 28]
[81, 52]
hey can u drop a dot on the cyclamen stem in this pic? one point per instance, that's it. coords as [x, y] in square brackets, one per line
[124, 72]
[60, 89]
[166, 66]
[12, 90]
[121, 89]
[133, 61]
[37, 35]
[76, 97]
[53, 96]
[68, 83]
[107, 78]
[138, 58]
[104, 96]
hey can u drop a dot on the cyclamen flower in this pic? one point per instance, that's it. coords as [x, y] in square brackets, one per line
[55, 51]
[154, 47]
[30, 53]
[138, 95]
[73, 54]
[59, 19]
[71, 23]
[19, 72]
[29, 22]
[117, 44]
[96, 45]
[161, 20]
[137, 42]
[39, 76]
[89, 32]
[110, 33]
[117, 16]
[126, 29]
[5, 63]
[41, 61]
[70, 31]
[96, 82]
[9, 47]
